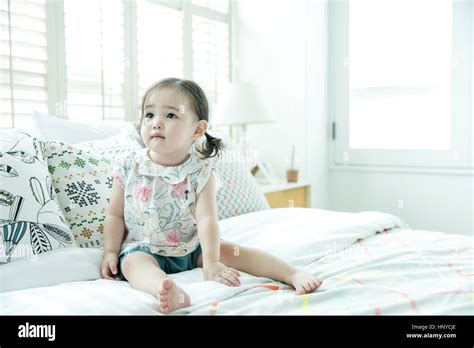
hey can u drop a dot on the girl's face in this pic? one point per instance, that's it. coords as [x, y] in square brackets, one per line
[169, 125]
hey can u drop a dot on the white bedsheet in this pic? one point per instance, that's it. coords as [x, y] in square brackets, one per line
[317, 240]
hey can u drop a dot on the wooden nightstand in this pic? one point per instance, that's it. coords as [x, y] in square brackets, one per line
[287, 195]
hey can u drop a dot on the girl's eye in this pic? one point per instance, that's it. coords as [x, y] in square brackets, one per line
[149, 115]
[172, 115]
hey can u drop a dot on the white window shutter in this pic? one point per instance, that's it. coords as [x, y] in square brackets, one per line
[162, 40]
[217, 5]
[210, 56]
[159, 43]
[23, 61]
[97, 71]
[95, 59]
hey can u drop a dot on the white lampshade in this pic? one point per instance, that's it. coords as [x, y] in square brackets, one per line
[240, 105]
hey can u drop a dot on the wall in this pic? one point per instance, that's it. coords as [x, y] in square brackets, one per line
[429, 201]
[279, 45]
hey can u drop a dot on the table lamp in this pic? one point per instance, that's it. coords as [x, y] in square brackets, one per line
[239, 106]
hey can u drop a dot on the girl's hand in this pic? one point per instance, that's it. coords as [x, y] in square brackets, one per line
[109, 266]
[219, 272]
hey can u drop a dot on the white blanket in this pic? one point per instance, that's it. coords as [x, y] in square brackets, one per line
[400, 271]
[302, 237]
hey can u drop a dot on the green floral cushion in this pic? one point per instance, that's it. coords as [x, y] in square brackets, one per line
[82, 178]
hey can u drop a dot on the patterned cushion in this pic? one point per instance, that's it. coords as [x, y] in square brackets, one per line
[82, 178]
[240, 193]
[31, 221]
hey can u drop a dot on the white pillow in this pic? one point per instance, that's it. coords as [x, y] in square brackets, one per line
[73, 132]
[52, 268]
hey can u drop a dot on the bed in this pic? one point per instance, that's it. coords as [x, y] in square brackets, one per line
[372, 263]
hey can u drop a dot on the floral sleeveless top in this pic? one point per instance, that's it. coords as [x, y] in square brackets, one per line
[160, 202]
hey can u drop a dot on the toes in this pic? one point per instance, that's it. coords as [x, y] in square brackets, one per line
[312, 285]
[299, 290]
[167, 283]
[164, 306]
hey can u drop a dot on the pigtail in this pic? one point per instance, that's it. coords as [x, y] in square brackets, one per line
[211, 147]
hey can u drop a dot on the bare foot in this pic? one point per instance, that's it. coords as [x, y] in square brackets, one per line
[304, 282]
[172, 297]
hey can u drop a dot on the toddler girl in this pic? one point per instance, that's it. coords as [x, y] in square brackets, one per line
[162, 216]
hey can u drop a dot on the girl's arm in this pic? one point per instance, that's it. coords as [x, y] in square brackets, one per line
[114, 226]
[208, 232]
[208, 228]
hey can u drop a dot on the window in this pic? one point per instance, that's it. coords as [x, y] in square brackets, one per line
[401, 72]
[100, 67]
[184, 39]
[216, 5]
[94, 59]
[23, 61]
[400, 75]
[160, 43]
[210, 56]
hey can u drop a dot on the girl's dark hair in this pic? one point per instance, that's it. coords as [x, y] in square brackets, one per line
[198, 101]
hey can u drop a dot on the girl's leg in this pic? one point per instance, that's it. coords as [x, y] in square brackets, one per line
[144, 273]
[263, 264]
[256, 262]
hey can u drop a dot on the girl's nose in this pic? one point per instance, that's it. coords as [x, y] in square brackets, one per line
[157, 124]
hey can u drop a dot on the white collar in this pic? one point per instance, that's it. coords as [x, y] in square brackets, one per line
[171, 175]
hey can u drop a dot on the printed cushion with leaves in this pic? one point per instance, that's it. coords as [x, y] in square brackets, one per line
[31, 221]
[82, 179]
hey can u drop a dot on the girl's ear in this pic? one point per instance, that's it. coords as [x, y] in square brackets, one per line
[201, 128]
